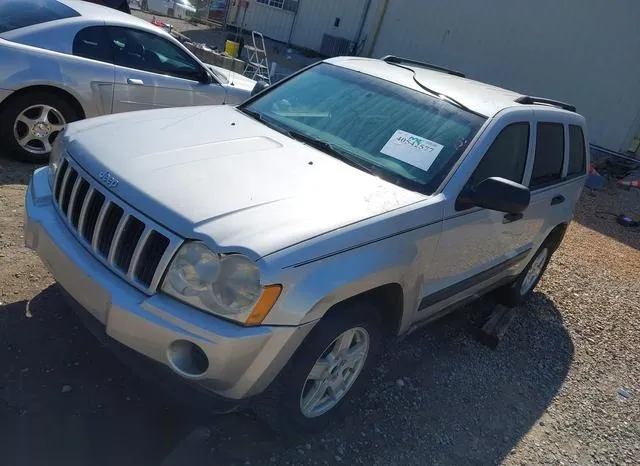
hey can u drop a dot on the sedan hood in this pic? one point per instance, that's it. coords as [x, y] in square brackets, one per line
[214, 174]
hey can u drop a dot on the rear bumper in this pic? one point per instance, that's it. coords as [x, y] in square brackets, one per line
[241, 361]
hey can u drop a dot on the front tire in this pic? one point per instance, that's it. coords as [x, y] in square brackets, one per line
[30, 123]
[331, 367]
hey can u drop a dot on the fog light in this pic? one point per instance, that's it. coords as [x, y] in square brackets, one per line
[187, 358]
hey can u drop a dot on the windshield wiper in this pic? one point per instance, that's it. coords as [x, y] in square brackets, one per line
[333, 150]
[324, 146]
[266, 120]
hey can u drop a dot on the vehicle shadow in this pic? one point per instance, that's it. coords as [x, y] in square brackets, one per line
[598, 210]
[14, 172]
[439, 396]
[65, 400]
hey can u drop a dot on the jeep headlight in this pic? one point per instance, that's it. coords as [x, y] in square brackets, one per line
[227, 285]
[55, 157]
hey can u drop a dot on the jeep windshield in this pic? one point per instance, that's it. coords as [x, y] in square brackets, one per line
[402, 135]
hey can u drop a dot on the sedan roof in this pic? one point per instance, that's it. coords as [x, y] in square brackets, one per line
[23, 17]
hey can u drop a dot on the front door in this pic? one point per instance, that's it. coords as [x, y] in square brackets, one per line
[152, 72]
[480, 246]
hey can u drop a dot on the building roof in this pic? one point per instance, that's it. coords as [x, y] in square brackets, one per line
[479, 97]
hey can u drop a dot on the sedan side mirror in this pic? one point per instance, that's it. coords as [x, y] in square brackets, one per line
[259, 87]
[205, 78]
[496, 194]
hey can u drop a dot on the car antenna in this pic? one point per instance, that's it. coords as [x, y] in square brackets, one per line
[431, 91]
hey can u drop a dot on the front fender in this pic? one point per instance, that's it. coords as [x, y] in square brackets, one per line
[312, 288]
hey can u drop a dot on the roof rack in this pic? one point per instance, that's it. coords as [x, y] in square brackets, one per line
[399, 61]
[529, 100]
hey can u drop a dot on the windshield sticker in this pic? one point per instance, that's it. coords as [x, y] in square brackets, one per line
[414, 150]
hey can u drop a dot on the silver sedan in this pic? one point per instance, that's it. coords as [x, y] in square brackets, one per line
[64, 60]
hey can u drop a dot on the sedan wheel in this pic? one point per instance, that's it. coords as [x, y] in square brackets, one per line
[334, 372]
[36, 128]
[31, 121]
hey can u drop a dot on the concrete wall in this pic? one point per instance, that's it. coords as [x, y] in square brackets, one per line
[582, 51]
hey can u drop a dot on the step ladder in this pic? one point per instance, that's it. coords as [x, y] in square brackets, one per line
[258, 65]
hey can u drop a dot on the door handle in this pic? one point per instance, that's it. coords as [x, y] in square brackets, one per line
[559, 199]
[508, 218]
[135, 82]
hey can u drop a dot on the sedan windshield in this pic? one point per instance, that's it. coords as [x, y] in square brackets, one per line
[404, 136]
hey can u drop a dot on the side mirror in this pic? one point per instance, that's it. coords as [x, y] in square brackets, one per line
[205, 78]
[496, 194]
[259, 87]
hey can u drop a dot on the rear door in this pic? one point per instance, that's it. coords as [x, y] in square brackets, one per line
[557, 171]
[152, 72]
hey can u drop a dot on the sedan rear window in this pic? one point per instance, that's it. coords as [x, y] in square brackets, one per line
[16, 14]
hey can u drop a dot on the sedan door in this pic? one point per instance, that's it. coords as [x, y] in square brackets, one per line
[152, 72]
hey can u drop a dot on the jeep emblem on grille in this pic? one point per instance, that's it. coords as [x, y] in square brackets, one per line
[108, 179]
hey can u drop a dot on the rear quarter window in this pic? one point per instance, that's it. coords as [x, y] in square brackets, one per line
[16, 14]
[577, 152]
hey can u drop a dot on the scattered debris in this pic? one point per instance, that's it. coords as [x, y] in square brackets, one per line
[624, 393]
[595, 180]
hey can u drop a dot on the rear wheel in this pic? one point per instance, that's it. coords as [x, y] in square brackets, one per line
[521, 288]
[330, 367]
[30, 123]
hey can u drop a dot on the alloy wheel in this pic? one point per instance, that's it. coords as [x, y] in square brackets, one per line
[534, 272]
[334, 372]
[36, 127]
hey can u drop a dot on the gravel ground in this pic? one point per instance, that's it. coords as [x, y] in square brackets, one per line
[549, 394]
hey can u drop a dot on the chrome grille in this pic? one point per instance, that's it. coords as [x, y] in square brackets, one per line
[122, 239]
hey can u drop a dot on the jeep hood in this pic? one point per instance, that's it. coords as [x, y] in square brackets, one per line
[215, 174]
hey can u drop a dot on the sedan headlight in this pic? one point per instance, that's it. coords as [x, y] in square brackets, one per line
[55, 157]
[226, 285]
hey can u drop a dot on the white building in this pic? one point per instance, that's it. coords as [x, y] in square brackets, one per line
[579, 51]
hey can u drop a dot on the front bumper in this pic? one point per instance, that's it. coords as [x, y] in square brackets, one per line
[242, 361]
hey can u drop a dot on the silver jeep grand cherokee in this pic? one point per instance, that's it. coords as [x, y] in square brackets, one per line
[269, 249]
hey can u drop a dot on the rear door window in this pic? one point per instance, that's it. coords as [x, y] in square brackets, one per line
[93, 42]
[577, 152]
[16, 14]
[507, 156]
[547, 166]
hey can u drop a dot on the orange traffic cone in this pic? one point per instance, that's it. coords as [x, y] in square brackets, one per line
[631, 184]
